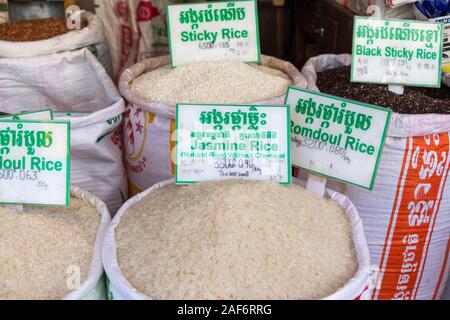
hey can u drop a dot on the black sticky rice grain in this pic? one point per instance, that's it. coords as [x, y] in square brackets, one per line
[414, 101]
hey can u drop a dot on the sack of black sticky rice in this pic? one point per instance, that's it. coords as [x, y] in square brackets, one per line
[152, 89]
[77, 88]
[407, 214]
[50, 253]
[236, 240]
[43, 37]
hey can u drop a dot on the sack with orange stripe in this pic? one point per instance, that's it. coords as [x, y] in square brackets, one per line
[76, 87]
[406, 216]
[149, 125]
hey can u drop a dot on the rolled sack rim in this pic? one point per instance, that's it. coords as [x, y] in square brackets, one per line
[168, 110]
[354, 288]
[96, 270]
[92, 34]
[401, 125]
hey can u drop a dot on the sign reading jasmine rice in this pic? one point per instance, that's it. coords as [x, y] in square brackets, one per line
[213, 31]
[400, 52]
[223, 142]
[34, 162]
[338, 138]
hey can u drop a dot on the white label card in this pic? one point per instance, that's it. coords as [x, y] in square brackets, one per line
[213, 31]
[335, 137]
[398, 52]
[223, 142]
[34, 162]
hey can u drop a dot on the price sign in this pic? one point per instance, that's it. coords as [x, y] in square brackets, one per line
[34, 162]
[398, 52]
[222, 142]
[213, 31]
[338, 138]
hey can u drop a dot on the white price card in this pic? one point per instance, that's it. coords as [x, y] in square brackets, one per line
[213, 31]
[223, 142]
[338, 138]
[35, 162]
[399, 52]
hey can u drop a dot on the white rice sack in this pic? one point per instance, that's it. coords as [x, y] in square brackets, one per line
[54, 252]
[256, 241]
[77, 84]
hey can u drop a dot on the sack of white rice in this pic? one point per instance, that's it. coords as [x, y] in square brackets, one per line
[53, 252]
[20, 39]
[236, 240]
[407, 214]
[76, 87]
[152, 90]
[446, 293]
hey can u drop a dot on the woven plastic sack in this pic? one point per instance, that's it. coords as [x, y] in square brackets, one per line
[149, 125]
[75, 83]
[356, 288]
[136, 30]
[94, 286]
[407, 214]
[91, 37]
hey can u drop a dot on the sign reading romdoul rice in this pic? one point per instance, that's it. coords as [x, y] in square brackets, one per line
[398, 52]
[338, 138]
[213, 31]
[222, 142]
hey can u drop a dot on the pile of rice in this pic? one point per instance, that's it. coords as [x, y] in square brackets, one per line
[236, 240]
[40, 247]
[211, 82]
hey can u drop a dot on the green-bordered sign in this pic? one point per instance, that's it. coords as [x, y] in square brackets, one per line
[338, 138]
[34, 162]
[33, 115]
[213, 31]
[400, 52]
[223, 142]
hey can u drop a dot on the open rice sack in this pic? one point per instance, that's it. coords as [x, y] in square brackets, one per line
[77, 88]
[91, 36]
[406, 216]
[255, 240]
[152, 89]
[54, 252]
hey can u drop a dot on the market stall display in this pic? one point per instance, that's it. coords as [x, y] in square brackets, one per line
[77, 88]
[149, 124]
[264, 241]
[53, 252]
[414, 164]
